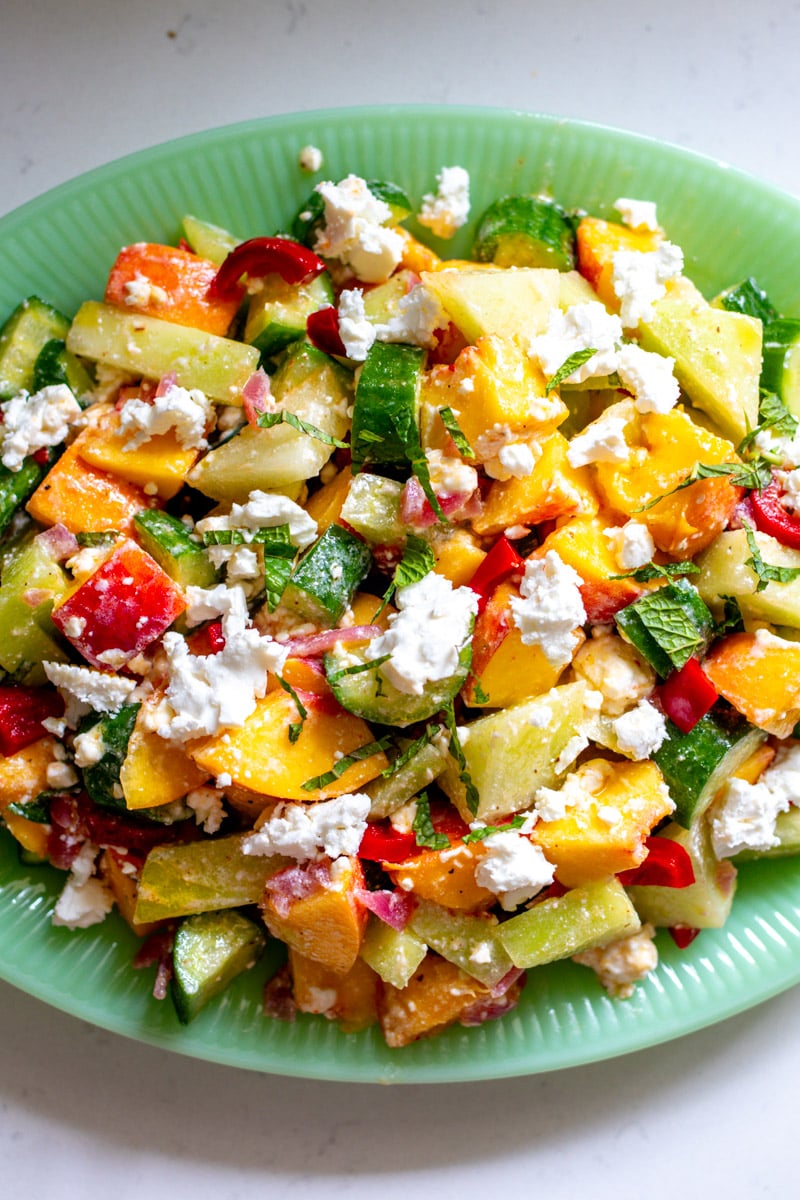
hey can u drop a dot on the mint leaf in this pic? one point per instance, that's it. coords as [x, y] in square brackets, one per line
[732, 620]
[659, 571]
[478, 691]
[411, 751]
[774, 418]
[418, 561]
[477, 835]
[766, 572]
[357, 668]
[268, 419]
[668, 626]
[277, 573]
[423, 829]
[276, 539]
[339, 768]
[755, 474]
[450, 422]
[457, 751]
[296, 728]
[568, 366]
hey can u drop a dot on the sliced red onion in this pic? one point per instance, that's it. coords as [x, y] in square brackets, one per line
[58, 542]
[416, 511]
[33, 597]
[296, 883]
[319, 643]
[278, 996]
[489, 1008]
[165, 384]
[256, 395]
[393, 908]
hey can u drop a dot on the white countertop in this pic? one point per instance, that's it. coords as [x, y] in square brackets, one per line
[85, 1112]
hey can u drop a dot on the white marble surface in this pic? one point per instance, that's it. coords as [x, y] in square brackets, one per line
[84, 1112]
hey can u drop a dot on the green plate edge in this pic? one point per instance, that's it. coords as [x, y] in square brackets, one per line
[246, 177]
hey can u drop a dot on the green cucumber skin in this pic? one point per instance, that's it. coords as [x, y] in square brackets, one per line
[696, 764]
[278, 313]
[544, 227]
[16, 487]
[359, 693]
[101, 780]
[633, 627]
[31, 325]
[323, 582]
[386, 405]
[749, 298]
[210, 950]
[167, 540]
[55, 364]
[787, 831]
[781, 338]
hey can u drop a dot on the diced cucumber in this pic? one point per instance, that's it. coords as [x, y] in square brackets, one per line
[210, 950]
[55, 364]
[480, 301]
[372, 509]
[512, 753]
[749, 298]
[167, 540]
[667, 625]
[380, 303]
[101, 779]
[706, 903]
[394, 954]
[525, 231]
[724, 572]
[194, 877]
[209, 241]
[309, 215]
[390, 792]
[32, 324]
[581, 919]
[323, 582]
[787, 831]
[781, 369]
[695, 765]
[473, 943]
[386, 408]
[313, 387]
[27, 635]
[17, 486]
[369, 695]
[278, 311]
[150, 347]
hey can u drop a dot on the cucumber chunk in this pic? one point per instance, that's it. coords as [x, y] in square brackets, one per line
[724, 572]
[787, 831]
[372, 509]
[480, 302]
[369, 695]
[695, 765]
[668, 625]
[323, 582]
[209, 241]
[525, 231]
[390, 792]
[18, 486]
[581, 919]
[32, 324]
[27, 635]
[167, 540]
[210, 950]
[473, 943]
[706, 903]
[278, 311]
[780, 372]
[55, 364]
[393, 954]
[386, 408]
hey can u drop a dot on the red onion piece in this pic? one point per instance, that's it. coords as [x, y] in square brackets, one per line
[256, 395]
[491, 1007]
[296, 883]
[319, 643]
[58, 542]
[165, 384]
[393, 908]
[279, 996]
[33, 597]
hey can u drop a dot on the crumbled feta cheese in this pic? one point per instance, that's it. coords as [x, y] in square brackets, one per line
[513, 868]
[641, 731]
[89, 747]
[553, 804]
[60, 775]
[639, 280]
[206, 804]
[189, 413]
[355, 328]
[31, 423]
[447, 210]
[631, 544]
[601, 441]
[784, 451]
[637, 214]
[581, 327]
[141, 292]
[426, 635]
[84, 900]
[550, 608]
[621, 964]
[518, 459]
[419, 314]
[303, 832]
[84, 689]
[354, 230]
[649, 377]
[265, 510]
[310, 159]
[789, 497]
[744, 816]
[74, 626]
[240, 562]
[616, 670]
[450, 476]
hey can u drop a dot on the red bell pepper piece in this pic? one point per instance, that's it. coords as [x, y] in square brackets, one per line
[208, 640]
[22, 710]
[322, 328]
[383, 843]
[771, 517]
[683, 935]
[262, 256]
[667, 865]
[501, 561]
[124, 606]
[687, 695]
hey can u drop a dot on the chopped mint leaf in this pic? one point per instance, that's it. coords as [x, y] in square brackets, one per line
[668, 626]
[357, 668]
[366, 435]
[774, 417]
[477, 835]
[275, 539]
[755, 474]
[296, 727]
[457, 751]
[411, 751]
[481, 696]
[277, 573]
[653, 570]
[450, 422]
[751, 299]
[766, 572]
[37, 809]
[423, 828]
[732, 620]
[418, 561]
[568, 366]
[339, 768]
[267, 420]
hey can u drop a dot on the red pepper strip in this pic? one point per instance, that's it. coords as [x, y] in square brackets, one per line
[667, 865]
[501, 561]
[262, 256]
[208, 640]
[687, 695]
[771, 517]
[682, 935]
[383, 843]
[22, 710]
[322, 328]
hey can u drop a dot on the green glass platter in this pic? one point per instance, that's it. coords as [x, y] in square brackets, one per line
[246, 177]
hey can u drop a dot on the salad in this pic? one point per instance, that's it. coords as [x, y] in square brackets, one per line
[435, 619]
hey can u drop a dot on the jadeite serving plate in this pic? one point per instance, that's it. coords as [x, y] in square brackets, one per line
[246, 177]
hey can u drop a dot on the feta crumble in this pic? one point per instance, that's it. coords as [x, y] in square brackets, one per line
[512, 868]
[638, 214]
[450, 476]
[615, 669]
[550, 610]
[189, 413]
[744, 817]
[601, 441]
[426, 635]
[641, 731]
[631, 544]
[265, 510]
[206, 804]
[355, 328]
[32, 423]
[517, 460]
[639, 279]
[85, 900]
[419, 314]
[141, 292]
[310, 159]
[84, 689]
[581, 327]
[354, 230]
[649, 377]
[620, 965]
[448, 209]
[329, 827]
